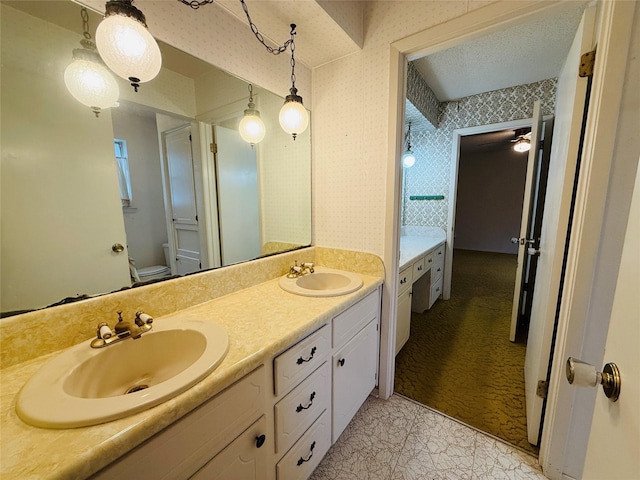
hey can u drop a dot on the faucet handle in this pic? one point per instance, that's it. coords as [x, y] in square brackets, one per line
[104, 331]
[309, 266]
[143, 319]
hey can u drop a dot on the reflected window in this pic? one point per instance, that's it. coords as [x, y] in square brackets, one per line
[122, 165]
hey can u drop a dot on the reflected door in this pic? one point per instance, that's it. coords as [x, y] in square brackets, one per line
[238, 205]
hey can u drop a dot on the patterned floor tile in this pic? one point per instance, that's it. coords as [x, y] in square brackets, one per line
[495, 460]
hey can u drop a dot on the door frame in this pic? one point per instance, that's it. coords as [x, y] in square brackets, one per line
[613, 41]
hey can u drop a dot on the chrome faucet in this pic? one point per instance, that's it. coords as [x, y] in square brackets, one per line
[122, 330]
[297, 271]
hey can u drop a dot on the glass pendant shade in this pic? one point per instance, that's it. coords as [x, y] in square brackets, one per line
[294, 118]
[251, 127]
[522, 145]
[90, 82]
[408, 159]
[127, 47]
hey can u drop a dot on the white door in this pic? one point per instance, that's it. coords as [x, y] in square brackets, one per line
[238, 204]
[527, 210]
[182, 196]
[614, 441]
[564, 153]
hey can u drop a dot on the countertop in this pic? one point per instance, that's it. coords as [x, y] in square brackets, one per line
[414, 244]
[261, 321]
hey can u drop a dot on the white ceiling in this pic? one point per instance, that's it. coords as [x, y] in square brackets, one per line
[523, 54]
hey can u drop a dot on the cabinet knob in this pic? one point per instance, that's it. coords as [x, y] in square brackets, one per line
[260, 439]
[341, 362]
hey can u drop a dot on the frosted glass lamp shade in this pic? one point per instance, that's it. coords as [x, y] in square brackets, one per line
[127, 47]
[90, 82]
[294, 118]
[251, 128]
[408, 159]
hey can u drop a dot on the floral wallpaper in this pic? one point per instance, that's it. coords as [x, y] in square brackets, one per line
[430, 175]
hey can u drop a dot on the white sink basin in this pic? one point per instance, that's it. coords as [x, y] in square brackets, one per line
[324, 282]
[85, 386]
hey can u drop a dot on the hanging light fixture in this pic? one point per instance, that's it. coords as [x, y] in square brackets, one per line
[125, 44]
[87, 78]
[408, 158]
[251, 126]
[293, 117]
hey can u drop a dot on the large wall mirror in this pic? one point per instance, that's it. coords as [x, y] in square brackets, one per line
[164, 174]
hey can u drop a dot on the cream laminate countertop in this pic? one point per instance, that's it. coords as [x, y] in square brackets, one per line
[413, 246]
[261, 321]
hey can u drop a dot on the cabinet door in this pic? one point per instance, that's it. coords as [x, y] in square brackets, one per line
[403, 324]
[355, 369]
[243, 459]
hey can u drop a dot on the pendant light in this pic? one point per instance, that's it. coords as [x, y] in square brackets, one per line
[251, 126]
[408, 159]
[294, 118]
[87, 78]
[125, 44]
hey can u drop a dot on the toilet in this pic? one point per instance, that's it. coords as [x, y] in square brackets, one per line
[157, 271]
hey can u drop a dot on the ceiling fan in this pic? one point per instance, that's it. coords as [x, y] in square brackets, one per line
[522, 140]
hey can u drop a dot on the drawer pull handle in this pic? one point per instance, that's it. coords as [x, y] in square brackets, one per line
[439, 269]
[438, 289]
[403, 281]
[299, 408]
[420, 268]
[260, 439]
[430, 260]
[341, 362]
[302, 460]
[301, 360]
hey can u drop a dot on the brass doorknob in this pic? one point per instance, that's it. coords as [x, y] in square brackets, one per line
[583, 374]
[117, 247]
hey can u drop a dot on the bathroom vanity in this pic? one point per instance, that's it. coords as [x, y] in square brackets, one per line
[420, 278]
[297, 370]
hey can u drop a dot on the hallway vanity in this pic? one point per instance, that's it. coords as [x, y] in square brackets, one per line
[422, 254]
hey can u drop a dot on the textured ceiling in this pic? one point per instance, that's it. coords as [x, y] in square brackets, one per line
[523, 54]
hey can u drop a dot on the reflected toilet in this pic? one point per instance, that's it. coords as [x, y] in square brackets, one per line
[156, 271]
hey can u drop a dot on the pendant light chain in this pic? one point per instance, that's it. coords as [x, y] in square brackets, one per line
[85, 23]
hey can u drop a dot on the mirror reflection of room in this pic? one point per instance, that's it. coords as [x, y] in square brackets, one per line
[159, 185]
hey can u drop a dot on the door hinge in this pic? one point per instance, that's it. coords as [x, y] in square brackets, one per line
[214, 147]
[587, 60]
[542, 388]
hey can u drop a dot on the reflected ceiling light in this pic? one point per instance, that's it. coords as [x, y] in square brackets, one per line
[408, 159]
[294, 118]
[251, 126]
[125, 44]
[87, 78]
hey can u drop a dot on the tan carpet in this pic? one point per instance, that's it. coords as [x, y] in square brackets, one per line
[459, 359]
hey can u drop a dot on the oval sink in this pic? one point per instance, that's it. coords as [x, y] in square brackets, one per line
[324, 282]
[85, 386]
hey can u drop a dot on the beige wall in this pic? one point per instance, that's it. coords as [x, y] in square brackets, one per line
[350, 134]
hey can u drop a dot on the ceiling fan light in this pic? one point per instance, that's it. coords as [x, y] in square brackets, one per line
[522, 145]
[125, 44]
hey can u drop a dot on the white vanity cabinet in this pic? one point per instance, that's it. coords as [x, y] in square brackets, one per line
[355, 359]
[403, 321]
[231, 424]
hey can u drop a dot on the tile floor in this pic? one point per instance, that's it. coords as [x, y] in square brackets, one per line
[399, 439]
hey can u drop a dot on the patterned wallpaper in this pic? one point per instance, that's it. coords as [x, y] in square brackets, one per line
[422, 97]
[430, 175]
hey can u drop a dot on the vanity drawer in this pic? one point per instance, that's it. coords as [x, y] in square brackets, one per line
[298, 410]
[179, 450]
[405, 279]
[306, 454]
[438, 265]
[290, 367]
[351, 321]
[419, 268]
[428, 261]
[436, 291]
